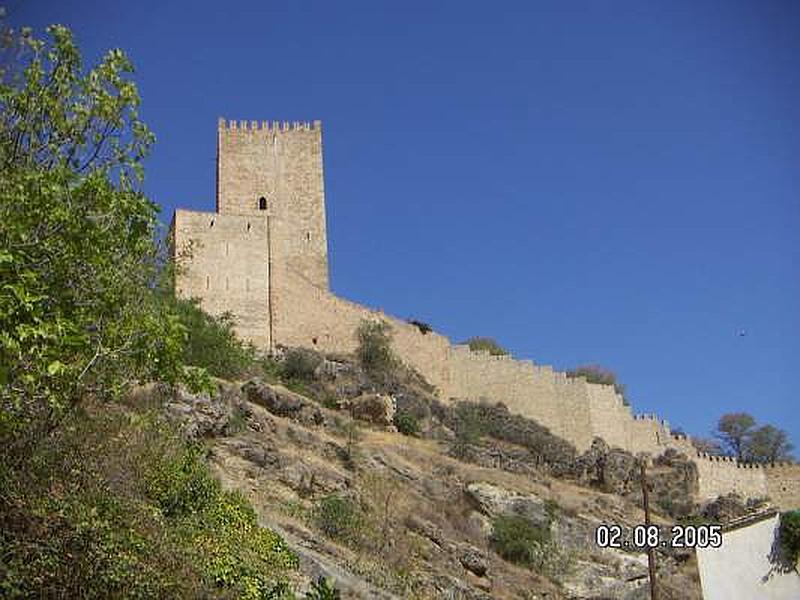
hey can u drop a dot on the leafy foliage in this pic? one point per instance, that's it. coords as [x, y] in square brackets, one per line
[734, 431]
[118, 505]
[487, 344]
[406, 423]
[739, 435]
[300, 364]
[790, 536]
[375, 348]
[211, 342]
[339, 518]
[769, 444]
[516, 539]
[78, 311]
[323, 589]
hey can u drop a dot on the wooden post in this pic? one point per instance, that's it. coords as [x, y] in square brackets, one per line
[651, 552]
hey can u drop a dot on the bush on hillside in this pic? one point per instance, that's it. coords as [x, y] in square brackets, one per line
[477, 344]
[406, 423]
[117, 505]
[518, 540]
[211, 342]
[375, 349]
[339, 518]
[301, 364]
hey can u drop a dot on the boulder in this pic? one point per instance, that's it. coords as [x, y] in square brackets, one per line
[198, 415]
[373, 408]
[275, 398]
[495, 501]
[473, 560]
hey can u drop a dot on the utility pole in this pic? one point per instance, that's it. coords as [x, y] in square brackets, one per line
[651, 551]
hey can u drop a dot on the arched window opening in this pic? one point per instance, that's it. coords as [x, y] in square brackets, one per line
[211, 223]
[248, 227]
[262, 203]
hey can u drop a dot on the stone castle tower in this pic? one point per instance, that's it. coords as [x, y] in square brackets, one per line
[269, 223]
[262, 256]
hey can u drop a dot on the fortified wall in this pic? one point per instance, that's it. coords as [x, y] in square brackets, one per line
[262, 256]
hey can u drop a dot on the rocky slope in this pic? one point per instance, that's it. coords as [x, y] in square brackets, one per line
[389, 515]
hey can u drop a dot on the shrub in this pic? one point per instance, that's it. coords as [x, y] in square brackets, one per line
[323, 589]
[211, 342]
[790, 536]
[491, 346]
[518, 540]
[374, 348]
[118, 506]
[469, 426]
[301, 364]
[339, 518]
[406, 423]
[423, 327]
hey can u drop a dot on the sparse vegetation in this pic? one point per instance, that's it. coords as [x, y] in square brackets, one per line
[375, 349]
[340, 518]
[406, 423]
[487, 344]
[423, 327]
[602, 375]
[469, 426]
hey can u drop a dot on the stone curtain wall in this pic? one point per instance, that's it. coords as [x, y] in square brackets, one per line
[228, 268]
[724, 474]
[783, 485]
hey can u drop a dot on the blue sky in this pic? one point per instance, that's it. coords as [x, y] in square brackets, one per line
[615, 182]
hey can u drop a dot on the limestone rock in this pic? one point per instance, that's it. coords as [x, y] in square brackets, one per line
[373, 408]
[198, 415]
[275, 398]
[494, 501]
[473, 560]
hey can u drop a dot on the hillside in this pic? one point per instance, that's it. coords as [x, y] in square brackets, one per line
[391, 515]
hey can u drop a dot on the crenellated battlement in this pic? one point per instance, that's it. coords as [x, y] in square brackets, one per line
[230, 126]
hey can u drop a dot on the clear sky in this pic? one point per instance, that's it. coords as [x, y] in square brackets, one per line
[604, 182]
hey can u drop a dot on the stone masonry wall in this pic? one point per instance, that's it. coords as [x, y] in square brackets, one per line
[724, 474]
[783, 485]
[228, 268]
[282, 164]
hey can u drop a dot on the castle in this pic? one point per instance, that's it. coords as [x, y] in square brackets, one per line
[263, 257]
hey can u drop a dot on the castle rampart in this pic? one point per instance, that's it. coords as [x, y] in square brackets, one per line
[263, 257]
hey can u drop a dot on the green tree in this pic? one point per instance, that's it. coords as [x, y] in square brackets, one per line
[78, 262]
[734, 430]
[769, 444]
